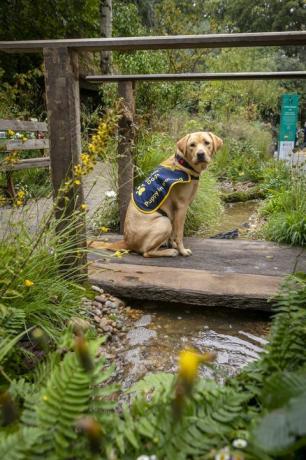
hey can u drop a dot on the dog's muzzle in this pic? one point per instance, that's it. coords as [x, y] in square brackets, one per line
[201, 157]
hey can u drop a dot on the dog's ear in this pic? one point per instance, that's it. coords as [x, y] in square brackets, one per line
[182, 144]
[217, 142]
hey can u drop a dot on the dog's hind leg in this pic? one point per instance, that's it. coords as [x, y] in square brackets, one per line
[159, 234]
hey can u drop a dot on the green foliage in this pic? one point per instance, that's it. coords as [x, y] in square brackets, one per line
[285, 211]
[33, 291]
[283, 428]
[49, 426]
[246, 99]
[205, 211]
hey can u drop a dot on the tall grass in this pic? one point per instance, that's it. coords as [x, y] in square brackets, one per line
[205, 211]
[33, 290]
[285, 212]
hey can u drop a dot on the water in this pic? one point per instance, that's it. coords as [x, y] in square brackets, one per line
[162, 331]
[237, 215]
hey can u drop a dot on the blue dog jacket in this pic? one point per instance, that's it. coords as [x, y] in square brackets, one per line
[150, 195]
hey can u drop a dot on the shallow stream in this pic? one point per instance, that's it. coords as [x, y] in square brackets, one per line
[160, 331]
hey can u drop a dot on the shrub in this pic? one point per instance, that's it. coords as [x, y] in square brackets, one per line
[206, 209]
[285, 212]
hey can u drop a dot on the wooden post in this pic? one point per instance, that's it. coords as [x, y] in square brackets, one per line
[63, 106]
[125, 148]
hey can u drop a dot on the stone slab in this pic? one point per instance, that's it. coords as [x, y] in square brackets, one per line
[229, 256]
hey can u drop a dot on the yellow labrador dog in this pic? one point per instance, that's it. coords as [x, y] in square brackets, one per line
[157, 211]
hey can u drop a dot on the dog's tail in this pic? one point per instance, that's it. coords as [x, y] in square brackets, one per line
[112, 246]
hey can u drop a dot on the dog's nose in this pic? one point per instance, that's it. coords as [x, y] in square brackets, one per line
[201, 155]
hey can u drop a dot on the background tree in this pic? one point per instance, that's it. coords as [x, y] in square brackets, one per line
[106, 16]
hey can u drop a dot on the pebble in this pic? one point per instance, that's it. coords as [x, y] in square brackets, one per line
[97, 289]
[103, 322]
[96, 304]
[109, 304]
[100, 298]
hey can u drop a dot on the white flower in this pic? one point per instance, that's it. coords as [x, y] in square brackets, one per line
[223, 454]
[147, 457]
[112, 194]
[240, 443]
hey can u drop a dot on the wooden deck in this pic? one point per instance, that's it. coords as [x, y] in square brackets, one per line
[228, 273]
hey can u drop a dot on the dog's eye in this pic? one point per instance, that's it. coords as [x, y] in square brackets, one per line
[192, 144]
[206, 142]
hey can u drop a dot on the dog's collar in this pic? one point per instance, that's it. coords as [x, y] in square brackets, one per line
[181, 161]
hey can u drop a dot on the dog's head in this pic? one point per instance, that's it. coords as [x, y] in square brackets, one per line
[198, 148]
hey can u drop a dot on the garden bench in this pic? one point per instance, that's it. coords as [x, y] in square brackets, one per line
[10, 144]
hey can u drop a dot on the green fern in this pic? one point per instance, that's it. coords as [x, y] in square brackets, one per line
[53, 413]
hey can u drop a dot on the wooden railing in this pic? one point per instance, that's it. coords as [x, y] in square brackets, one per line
[62, 94]
[11, 145]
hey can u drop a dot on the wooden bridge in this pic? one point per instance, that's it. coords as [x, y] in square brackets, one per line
[196, 279]
[220, 273]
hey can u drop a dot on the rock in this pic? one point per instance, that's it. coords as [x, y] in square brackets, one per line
[103, 322]
[109, 304]
[96, 304]
[97, 319]
[100, 298]
[97, 289]
[79, 324]
[116, 304]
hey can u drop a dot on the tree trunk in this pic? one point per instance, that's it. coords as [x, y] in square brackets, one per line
[106, 16]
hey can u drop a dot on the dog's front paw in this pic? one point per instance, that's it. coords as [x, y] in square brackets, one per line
[185, 252]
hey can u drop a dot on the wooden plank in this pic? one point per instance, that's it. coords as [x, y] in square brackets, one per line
[30, 144]
[198, 76]
[21, 125]
[125, 148]
[190, 287]
[28, 163]
[292, 38]
[63, 106]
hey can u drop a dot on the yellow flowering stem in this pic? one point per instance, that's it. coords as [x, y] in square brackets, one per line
[189, 362]
[83, 354]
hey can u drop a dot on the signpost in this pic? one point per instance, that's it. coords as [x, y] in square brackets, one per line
[288, 124]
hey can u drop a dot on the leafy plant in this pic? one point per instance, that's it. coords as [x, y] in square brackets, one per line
[285, 212]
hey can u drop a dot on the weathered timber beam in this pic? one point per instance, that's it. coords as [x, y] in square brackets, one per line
[63, 107]
[28, 163]
[29, 144]
[125, 148]
[292, 38]
[96, 79]
[21, 125]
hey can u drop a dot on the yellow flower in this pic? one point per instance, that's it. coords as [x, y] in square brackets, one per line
[28, 283]
[118, 254]
[10, 133]
[19, 203]
[78, 170]
[84, 206]
[45, 398]
[20, 194]
[77, 182]
[189, 362]
[104, 229]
